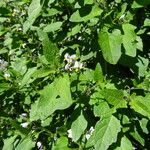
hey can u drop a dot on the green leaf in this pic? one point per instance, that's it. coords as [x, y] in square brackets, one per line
[25, 144]
[141, 105]
[110, 44]
[105, 133]
[82, 16]
[4, 87]
[61, 144]
[27, 77]
[50, 50]
[53, 27]
[98, 74]
[129, 39]
[55, 96]
[146, 22]
[142, 65]
[88, 2]
[33, 12]
[74, 30]
[115, 97]
[9, 143]
[78, 127]
[125, 144]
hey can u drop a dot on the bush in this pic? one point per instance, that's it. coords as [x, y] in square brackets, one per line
[74, 74]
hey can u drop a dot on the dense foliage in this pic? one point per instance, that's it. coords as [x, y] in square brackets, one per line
[74, 74]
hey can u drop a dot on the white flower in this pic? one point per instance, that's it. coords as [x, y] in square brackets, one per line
[39, 145]
[78, 65]
[25, 124]
[23, 115]
[3, 64]
[69, 58]
[89, 133]
[6, 76]
[69, 133]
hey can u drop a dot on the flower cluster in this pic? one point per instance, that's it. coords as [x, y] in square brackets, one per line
[72, 63]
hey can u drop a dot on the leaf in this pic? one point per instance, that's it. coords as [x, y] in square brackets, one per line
[115, 97]
[55, 96]
[50, 50]
[125, 144]
[61, 144]
[129, 39]
[98, 74]
[4, 87]
[82, 16]
[146, 22]
[110, 44]
[33, 12]
[27, 77]
[78, 127]
[53, 27]
[141, 105]
[25, 144]
[74, 30]
[142, 65]
[105, 133]
[8, 143]
[88, 2]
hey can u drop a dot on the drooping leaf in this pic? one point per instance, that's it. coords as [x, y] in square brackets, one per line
[33, 12]
[110, 44]
[98, 74]
[141, 105]
[50, 50]
[78, 127]
[105, 133]
[53, 27]
[82, 16]
[129, 39]
[125, 144]
[55, 96]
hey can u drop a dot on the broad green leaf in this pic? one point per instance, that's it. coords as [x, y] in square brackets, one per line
[139, 43]
[53, 27]
[78, 127]
[125, 144]
[105, 133]
[129, 39]
[27, 77]
[110, 44]
[146, 22]
[142, 65]
[62, 144]
[115, 97]
[55, 96]
[50, 50]
[25, 144]
[82, 16]
[141, 105]
[98, 74]
[33, 12]
[8, 143]
[102, 109]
